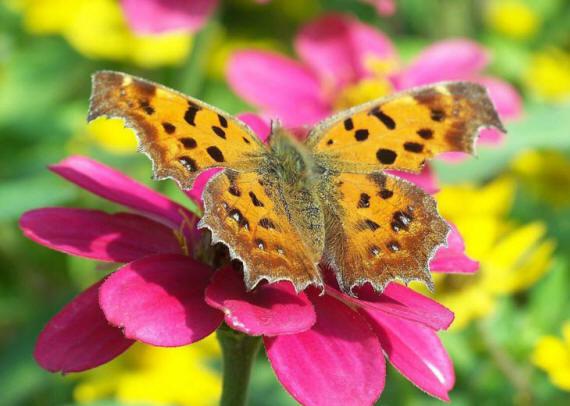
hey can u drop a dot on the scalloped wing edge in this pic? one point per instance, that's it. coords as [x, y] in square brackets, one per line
[476, 92]
[216, 238]
[103, 80]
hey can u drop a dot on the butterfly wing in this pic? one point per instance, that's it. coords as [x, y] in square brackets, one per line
[402, 131]
[183, 136]
[380, 228]
[245, 212]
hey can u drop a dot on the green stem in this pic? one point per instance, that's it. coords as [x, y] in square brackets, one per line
[238, 355]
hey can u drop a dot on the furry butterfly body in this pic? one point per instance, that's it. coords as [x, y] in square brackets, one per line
[287, 207]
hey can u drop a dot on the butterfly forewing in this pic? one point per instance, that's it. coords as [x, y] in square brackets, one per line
[402, 131]
[183, 136]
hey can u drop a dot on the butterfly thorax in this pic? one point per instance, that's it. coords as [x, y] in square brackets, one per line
[289, 169]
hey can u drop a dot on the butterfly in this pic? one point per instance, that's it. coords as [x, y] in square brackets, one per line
[286, 207]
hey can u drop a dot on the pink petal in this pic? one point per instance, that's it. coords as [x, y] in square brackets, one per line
[79, 337]
[452, 259]
[159, 300]
[121, 237]
[383, 7]
[157, 16]
[258, 125]
[119, 188]
[270, 310]
[453, 59]
[281, 86]
[425, 179]
[337, 362]
[337, 47]
[487, 136]
[506, 98]
[200, 183]
[403, 302]
[416, 352]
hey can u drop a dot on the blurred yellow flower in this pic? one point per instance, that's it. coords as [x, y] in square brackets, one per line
[546, 174]
[97, 29]
[548, 75]
[513, 18]
[552, 354]
[145, 374]
[112, 135]
[378, 85]
[361, 92]
[512, 257]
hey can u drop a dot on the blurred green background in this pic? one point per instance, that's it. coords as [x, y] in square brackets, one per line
[511, 344]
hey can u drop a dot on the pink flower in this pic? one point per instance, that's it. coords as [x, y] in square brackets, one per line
[157, 16]
[383, 7]
[338, 52]
[324, 349]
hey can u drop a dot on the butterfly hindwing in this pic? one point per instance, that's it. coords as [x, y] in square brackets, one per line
[402, 131]
[381, 228]
[183, 136]
[246, 214]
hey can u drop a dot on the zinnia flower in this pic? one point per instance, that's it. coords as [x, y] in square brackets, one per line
[159, 16]
[97, 29]
[324, 349]
[345, 62]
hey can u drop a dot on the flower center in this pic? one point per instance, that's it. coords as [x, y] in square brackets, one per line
[373, 87]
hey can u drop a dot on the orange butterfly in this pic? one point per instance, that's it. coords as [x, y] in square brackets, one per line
[285, 207]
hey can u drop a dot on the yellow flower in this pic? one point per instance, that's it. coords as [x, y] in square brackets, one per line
[112, 135]
[548, 75]
[97, 29]
[361, 92]
[546, 174]
[552, 354]
[374, 87]
[512, 257]
[513, 18]
[145, 374]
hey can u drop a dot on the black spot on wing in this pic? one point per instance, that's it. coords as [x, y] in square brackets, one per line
[348, 124]
[413, 147]
[364, 201]
[393, 246]
[188, 143]
[388, 121]
[234, 190]
[168, 128]
[215, 153]
[256, 202]
[368, 225]
[437, 115]
[239, 218]
[267, 224]
[223, 121]
[147, 108]
[361, 135]
[219, 132]
[425, 133]
[386, 156]
[188, 163]
[190, 114]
